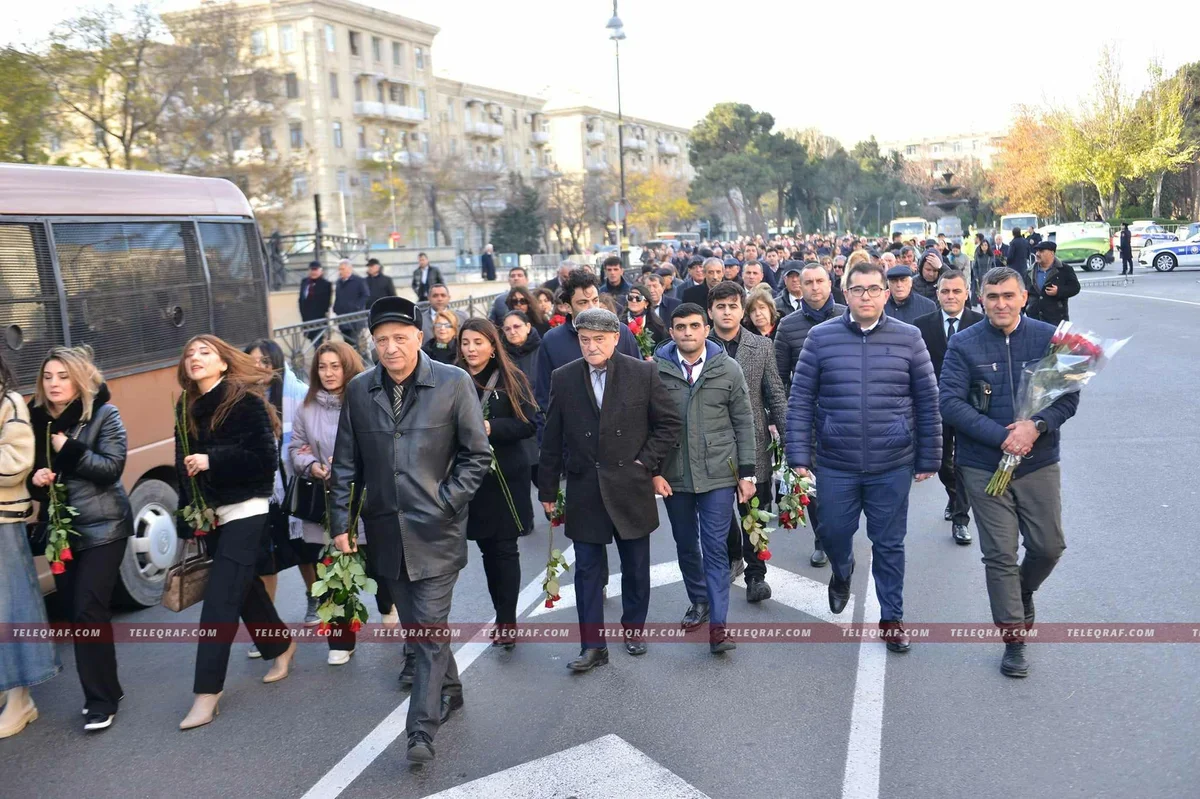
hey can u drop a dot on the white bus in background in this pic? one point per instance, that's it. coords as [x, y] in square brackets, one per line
[1023, 220]
[909, 227]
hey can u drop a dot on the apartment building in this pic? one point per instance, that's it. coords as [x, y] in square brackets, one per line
[585, 139]
[948, 151]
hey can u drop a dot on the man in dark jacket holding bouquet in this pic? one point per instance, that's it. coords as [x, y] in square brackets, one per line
[981, 380]
[864, 411]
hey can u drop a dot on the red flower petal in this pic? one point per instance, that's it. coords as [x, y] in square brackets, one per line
[764, 555]
[549, 603]
[57, 567]
[66, 554]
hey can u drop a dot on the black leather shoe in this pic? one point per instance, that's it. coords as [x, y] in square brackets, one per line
[895, 636]
[635, 648]
[450, 703]
[962, 534]
[589, 659]
[420, 748]
[718, 643]
[696, 615]
[409, 673]
[839, 594]
[757, 590]
[1027, 601]
[818, 558]
[946, 514]
[1014, 664]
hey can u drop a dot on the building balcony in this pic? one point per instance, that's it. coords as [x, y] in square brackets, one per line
[542, 172]
[667, 148]
[493, 205]
[404, 113]
[410, 159]
[594, 137]
[486, 130]
[597, 166]
[540, 137]
[636, 145]
[369, 108]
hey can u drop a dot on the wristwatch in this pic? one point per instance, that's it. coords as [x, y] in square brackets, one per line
[1041, 426]
[748, 479]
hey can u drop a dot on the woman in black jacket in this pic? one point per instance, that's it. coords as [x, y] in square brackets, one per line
[637, 306]
[521, 299]
[500, 511]
[80, 444]
[983, 261]
[231, 430]
[522, 342]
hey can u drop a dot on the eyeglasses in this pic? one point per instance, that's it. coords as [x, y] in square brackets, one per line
[520, 301]
[442, 326]
[871, 291]
[635, 298]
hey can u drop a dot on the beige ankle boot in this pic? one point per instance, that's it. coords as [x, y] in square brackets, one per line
[204, 709]
[18, 712]
[281, 665]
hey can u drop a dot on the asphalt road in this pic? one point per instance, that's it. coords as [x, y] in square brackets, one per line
[770, 720]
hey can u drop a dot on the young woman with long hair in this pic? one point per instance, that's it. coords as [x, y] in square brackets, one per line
[23, 663]
[310, 452]
[500, 513]
[545, 302]
[521, 299]
[232, 430]
[81, 445]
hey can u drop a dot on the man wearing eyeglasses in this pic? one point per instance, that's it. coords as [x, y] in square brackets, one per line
[864, 410]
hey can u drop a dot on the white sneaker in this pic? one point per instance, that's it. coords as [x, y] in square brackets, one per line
[391, 619]
[254, 654]
[339, 657]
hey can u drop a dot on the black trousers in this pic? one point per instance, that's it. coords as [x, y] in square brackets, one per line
[233, 591]
[739, 540]
[340, 636]
[1127, 263]
[591, 575]
[87, 588]
[502, 565]
[951, 477]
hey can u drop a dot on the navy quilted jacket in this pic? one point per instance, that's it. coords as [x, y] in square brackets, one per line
[983, 353]
[870, 399]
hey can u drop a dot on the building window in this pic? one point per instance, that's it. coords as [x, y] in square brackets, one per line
[364, 183]
[333, 85]
[397, 53]
[910, 149]
[394, 93]
[354, 37]
[957, 147]
[362, 136]
[296, 135]
[937, 148]
[287, 39]
[330, 39]
[291, 85]
[258, 43]
[450, 108]
[266, 138]
[431, 238]
[419, 54]
[337, 135]
[377, 48]
[235, 140]
[424, 139]
[453, 146]
[300, 186]
[379, 92]
[421, 102]
[358, 89]
[341, 181]
[514, 119]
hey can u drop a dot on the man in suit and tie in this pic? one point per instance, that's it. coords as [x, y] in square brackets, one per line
[439, 300]
[316, 295]
[424, 277]
[714, 273]
[613, 417]
[660, 303]
[937, 328]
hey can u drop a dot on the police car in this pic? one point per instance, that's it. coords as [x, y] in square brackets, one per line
[1169, 254]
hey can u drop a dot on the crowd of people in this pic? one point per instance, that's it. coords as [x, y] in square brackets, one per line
[862, 359]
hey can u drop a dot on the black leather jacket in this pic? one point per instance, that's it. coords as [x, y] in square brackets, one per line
[90, 465]
[420, 471]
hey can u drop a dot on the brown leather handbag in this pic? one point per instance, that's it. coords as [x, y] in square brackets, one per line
[187, 578]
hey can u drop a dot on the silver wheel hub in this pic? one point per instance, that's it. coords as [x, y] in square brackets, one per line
[154, 540]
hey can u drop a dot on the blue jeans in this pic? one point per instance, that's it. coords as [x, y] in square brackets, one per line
[884, 498]
[34, 660]
[700, 524]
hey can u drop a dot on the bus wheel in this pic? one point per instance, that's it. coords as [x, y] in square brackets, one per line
[153, 547]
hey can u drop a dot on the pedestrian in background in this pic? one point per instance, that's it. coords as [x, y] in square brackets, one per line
[316, 298]
[925, 282]
[903, 303]
[522, 342]
[712, 465]
[762, 317]
[517, 278]
[637, 306]
[613, 419]
[23, 664]
[864, 410]
[425, 276]
[1126, 247]
[232, 430]
[501, 510]
[519, 299]
[352, 296]
[487, 264]
[985, 260]
[985, 423]
[1051, 285]
[71, 411]
[378, 284]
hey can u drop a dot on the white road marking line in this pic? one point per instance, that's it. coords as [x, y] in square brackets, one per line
[863, 748]
[1139, 296]
[660, 574]
[804, 594]
[606, 768]
[356, 761]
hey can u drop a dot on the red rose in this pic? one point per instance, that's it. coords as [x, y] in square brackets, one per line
[66, 554]
[328, 561]
[636, 325]
[355, 626]
[805, 499]
[796, 489]
[549, 603]
[57, 567]
[199, 533]
[556, 597]
[764, 555]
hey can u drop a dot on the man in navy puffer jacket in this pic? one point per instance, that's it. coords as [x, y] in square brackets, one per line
[864, 388]
[981, 380]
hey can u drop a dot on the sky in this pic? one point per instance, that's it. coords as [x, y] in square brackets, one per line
[851, 69]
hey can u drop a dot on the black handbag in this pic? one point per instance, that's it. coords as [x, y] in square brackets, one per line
[305, 499]
[38, 534]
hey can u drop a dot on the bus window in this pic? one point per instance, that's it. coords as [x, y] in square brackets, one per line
[30, 317]
[239, 285]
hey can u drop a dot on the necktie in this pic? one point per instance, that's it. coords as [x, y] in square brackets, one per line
[397, 401]
[688, 367]
[950, 327]
[598, 376]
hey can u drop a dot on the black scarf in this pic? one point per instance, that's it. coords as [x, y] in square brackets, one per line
[44, 424]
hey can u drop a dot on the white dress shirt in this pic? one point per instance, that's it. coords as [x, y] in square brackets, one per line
[697, 368]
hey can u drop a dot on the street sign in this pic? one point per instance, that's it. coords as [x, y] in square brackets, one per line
[616, 212]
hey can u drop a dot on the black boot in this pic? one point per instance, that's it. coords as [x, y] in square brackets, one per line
[589, 659]
[1027, 601]
[1014, 664]
[757, 589]
[839, 594]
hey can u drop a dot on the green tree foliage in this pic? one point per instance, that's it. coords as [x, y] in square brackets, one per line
[25, 108]
[518, 228]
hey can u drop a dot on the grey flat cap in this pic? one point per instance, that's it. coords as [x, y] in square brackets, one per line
[600, 320]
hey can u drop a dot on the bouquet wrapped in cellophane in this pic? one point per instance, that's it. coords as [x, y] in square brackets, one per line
[1073, 358]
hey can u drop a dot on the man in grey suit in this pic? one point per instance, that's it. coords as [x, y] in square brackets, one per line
[439, 300]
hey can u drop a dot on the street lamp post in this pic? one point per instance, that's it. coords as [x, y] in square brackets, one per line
[617, 33]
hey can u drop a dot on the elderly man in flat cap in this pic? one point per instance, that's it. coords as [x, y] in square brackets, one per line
[611, 413]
